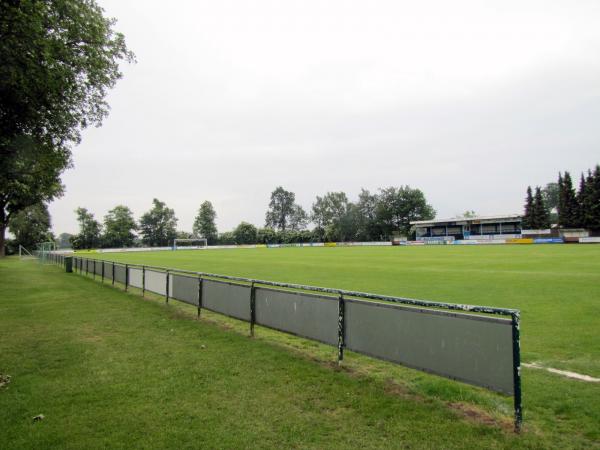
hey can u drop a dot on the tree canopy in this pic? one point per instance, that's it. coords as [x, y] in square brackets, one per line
[59, 59]
[90, 230]
[283, 214]
[119, 227]
[31, 226]
[158, 226]
[245, 233]
[204, 224]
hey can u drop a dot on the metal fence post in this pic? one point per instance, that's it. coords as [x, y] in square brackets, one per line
[252, 308]
[102, 262]
[113, 273]
[143, 281]
[199, 295]
[126, 276]
[94, 275]
[167, 287]
[86, 267]
[341, 330]
[517, 371]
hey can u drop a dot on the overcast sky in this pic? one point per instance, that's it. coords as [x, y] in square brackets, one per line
[468, 101]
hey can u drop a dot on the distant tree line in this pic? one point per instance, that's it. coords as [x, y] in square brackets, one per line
[374, 216]
[560, 203]
[156, 228]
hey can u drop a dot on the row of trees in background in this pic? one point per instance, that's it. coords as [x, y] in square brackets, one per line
[560, 203]
[374, 216]
[156, 227]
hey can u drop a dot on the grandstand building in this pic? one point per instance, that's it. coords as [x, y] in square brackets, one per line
[480, 227]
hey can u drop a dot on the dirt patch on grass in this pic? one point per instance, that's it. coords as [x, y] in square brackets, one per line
[4, 380]
[476, 415]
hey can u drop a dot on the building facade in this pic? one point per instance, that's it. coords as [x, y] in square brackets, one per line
[480, 227]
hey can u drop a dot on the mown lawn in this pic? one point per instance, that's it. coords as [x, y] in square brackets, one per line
[110, 369]
[556, 287]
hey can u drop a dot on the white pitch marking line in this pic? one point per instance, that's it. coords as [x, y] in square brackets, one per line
[564, 373]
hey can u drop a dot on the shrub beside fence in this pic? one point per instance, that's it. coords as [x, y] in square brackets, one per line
[474, 344]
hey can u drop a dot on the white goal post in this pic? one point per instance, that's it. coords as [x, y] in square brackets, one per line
[24, 253]
[190, 244]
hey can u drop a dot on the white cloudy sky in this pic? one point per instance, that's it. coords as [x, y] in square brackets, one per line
[469, 101]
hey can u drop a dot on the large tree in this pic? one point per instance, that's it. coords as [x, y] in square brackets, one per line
[397, 207]
[368, 229]
[328, 211]
[281, 209]
[119, 227]
[158, 226]
[298, 219]
[89, 230]
[31, 226]
[568, 208]
[528, 214]
[593, 199]
[204, 224]
[551, 195]
[58, 59]
[541, 215]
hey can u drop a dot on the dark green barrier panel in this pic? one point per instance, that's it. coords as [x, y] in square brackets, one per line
[226, 298]
[311, 316]
[108, 270]
[120, 274]
[474, 349]
[184, 288]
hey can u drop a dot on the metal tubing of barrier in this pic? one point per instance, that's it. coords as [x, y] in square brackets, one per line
[367, 295]
[102, 262]
[199, 296]
[143, 281]
[126, 276]
[516, 332]
[341, 328]
[252, 308]
[113, 272]
[167, 288]
[94, 276]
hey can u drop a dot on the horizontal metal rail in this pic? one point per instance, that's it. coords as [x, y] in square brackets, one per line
[344, 292]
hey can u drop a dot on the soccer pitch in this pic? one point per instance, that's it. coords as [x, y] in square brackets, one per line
[556, 287]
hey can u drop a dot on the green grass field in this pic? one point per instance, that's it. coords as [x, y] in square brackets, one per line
[557, 288]
[110, 369]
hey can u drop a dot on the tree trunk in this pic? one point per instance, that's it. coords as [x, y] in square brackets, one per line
[2, 239]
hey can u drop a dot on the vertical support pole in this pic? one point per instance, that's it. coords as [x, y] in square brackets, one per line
[199, 296]
[102, 262]
[87, 263]
[113, 273]
[126, 276]
[517, 371]
[252, 308]
[94, 275]
[167, 287]
[341, 328]
[143, 281]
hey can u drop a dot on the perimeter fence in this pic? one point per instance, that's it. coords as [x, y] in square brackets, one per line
[478, 345]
